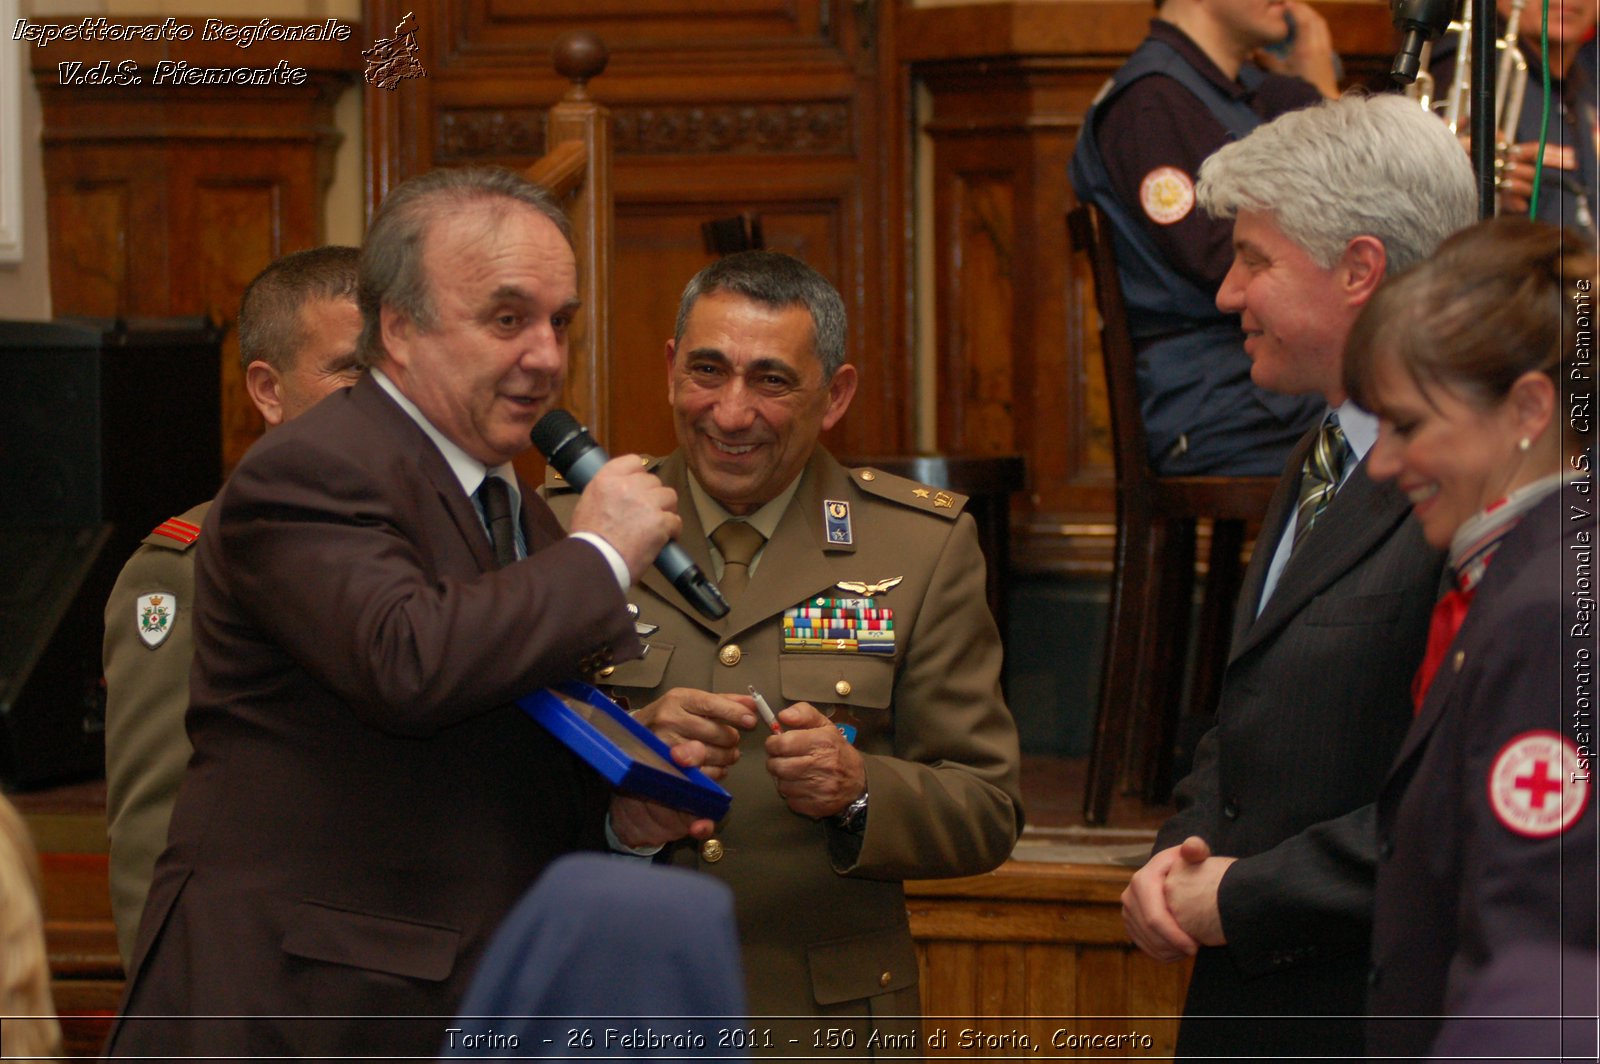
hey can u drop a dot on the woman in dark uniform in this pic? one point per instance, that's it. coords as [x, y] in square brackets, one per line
[1479, 365]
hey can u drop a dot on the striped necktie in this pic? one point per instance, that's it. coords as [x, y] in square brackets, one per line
[1320, 476]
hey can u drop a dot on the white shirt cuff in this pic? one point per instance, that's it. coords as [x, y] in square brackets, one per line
[619, 568]
[618, 846]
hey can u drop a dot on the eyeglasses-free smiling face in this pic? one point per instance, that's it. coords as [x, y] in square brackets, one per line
[1451, 457]
[1294, 313]
[504, 287]
[748, 397]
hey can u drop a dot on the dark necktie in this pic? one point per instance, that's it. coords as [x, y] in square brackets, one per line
[738, 542]
[1320, 476]
[495, 497]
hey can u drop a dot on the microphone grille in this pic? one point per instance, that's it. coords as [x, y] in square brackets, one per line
[554, 429]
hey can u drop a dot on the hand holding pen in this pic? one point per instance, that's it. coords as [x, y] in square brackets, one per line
[765, 710]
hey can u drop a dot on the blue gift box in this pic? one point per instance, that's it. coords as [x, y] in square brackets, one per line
[622, 750]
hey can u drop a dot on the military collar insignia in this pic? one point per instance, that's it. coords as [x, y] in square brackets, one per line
[836, 517]
[154, 614]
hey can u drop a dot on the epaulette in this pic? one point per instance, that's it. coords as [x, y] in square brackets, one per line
[918, 496]
[174, 534]
[556, 484]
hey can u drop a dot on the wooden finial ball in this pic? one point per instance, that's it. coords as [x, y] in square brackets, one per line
[580, 55]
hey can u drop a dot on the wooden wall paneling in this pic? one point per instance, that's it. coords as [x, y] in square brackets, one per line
[240, 225]
[1051, 979]
[166, 199]
[776, 107]
[89, 245]
[1039, 949]
[1011, 344]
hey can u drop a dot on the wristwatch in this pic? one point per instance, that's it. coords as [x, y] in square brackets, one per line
[853, 817]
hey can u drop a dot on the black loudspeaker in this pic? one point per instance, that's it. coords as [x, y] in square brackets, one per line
[107, 428]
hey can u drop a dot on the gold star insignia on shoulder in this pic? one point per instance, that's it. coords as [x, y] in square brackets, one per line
[921, 493]
[862, 587]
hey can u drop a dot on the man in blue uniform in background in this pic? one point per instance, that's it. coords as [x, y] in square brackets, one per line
[1191, 87]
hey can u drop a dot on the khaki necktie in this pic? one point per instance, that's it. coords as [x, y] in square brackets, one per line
[1320, 476]
[496, 500]
[738, 542]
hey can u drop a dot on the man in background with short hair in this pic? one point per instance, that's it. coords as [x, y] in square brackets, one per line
[298, 328]
[1200, 80]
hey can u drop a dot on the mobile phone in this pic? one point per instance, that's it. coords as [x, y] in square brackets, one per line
[1282, 48]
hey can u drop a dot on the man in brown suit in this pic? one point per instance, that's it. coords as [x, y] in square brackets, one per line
[365, 802]
[298, 329]
[858, 611]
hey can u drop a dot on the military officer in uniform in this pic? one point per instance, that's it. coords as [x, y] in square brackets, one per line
[858, 612]
[298, 327]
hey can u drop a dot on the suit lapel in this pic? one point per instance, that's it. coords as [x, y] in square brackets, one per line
[1541, 523]
[1272, 524]
[1361, 515]
[409, 438]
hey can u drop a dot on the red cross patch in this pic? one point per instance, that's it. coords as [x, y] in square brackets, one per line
[1537, 785]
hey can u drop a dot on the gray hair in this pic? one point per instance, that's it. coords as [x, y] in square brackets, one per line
[269, 313]
[391, 258]
[775, 280]
[1360, 165]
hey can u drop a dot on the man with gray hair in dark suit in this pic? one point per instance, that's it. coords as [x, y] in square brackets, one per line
[1265, 874]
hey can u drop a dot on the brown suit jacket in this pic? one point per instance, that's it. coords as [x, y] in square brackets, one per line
[823, 928]
[364, 805]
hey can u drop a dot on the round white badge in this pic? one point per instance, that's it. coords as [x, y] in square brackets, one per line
[1537, 785]
[1167, 195]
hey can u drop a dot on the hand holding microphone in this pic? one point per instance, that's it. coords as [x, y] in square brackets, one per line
[626, 506]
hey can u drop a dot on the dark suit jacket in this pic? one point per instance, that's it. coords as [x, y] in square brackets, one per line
[1315, 701]
[1458, 889]
[363, 805]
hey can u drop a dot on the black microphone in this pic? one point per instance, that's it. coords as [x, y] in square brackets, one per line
[1421, 21]
[574, 453]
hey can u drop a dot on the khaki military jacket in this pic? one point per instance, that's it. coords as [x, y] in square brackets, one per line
[822, 917]
[148, 647]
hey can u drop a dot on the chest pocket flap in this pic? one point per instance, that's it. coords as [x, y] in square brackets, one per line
[645, 672]
[856, 679]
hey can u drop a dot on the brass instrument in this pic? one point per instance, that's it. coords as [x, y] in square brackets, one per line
[1510, 83]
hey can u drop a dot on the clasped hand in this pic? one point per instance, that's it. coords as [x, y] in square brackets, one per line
[1170, 906]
